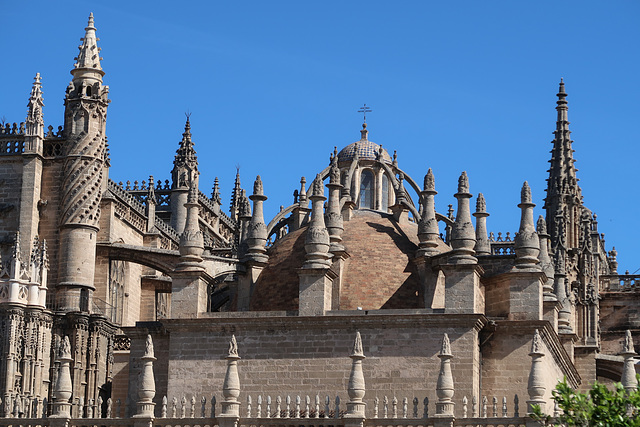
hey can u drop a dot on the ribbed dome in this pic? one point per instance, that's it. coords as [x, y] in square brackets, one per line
[379, 273]
[366, 149]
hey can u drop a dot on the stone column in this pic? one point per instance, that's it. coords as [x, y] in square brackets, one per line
[231, 389]
[536, 386]
[62, 389]
[146, 383]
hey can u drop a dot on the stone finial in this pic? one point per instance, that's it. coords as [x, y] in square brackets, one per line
[445, 385]
[536, 387]
[483, 246]
[215, 192]
[541, 225]
[463, 237]
[527, 242]
[628, 379]
[445, 349]
[463, 183]
[334, 173]
[146, 381]
[303, 201]
[525, 193]
[357, 347]
[481, 204]
[231, 384]
[318, 188]
[356, 387]
[429, 181]
[363, 133]
[257, 187]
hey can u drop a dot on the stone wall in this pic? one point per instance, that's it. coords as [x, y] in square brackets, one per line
[297, 355]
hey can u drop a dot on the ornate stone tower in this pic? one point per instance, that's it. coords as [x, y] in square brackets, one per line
[83, 177]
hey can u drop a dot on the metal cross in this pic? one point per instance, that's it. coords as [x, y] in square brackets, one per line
[364, 110]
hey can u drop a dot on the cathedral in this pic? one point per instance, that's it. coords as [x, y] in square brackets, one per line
[111, 289]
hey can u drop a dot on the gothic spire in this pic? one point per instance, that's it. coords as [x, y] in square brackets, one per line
[186, 152]
[185, 163]
[235, 196]
[88, 59]
[563, 190]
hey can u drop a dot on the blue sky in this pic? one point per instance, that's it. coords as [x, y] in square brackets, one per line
[274, 86]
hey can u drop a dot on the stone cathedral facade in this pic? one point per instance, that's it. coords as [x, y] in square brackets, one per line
[361, 249]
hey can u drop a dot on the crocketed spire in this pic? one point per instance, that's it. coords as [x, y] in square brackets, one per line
[35, 119]
[527, 244]
[235, 196]
[88, 58]
[563, 191]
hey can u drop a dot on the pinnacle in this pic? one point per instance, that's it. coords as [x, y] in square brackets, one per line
[89, 56]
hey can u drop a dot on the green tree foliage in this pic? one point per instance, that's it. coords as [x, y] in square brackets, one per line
[599, 407]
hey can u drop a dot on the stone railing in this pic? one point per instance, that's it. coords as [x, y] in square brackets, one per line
[502, 245]
[351, 410]
[620, 283]
[130, 210]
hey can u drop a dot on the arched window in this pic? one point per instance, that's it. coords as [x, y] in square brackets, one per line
[88, 90]
[366, 190]
[385, 193]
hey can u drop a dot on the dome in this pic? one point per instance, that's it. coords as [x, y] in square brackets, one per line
[366, 149]
[379, 273]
